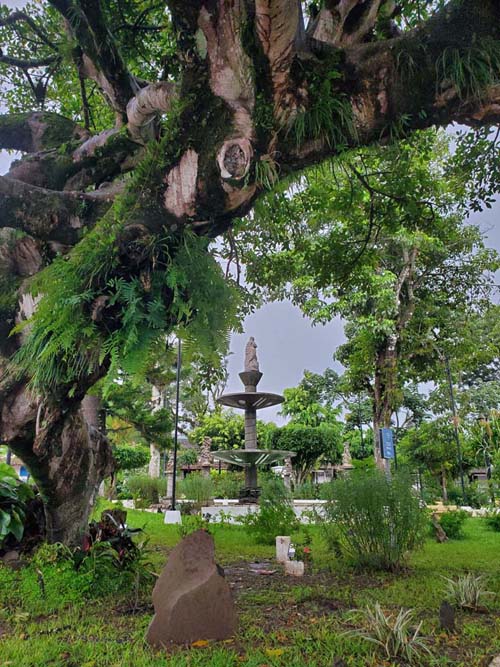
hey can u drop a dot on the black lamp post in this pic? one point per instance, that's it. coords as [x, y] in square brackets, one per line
[176, 428]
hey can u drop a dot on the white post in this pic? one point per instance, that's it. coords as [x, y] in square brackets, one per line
[282, 546]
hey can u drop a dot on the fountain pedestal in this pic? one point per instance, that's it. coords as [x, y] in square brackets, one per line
[249, 458]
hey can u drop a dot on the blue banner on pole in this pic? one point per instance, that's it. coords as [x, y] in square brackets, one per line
[386, 436]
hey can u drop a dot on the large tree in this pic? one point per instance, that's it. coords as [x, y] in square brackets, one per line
[145, 129]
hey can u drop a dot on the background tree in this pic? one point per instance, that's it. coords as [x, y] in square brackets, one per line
[144, 133]
[378, 240]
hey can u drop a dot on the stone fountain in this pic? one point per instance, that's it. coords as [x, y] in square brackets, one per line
[250, 401]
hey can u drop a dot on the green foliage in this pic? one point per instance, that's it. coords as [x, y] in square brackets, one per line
[373, 522]
[328, 115]
[180, 292]
[14, 495]
[471, 70]
[226, 430]
[467, 591]
[266, 172]
[197, 487]
[493, 520]
[306, 490]
[275, 515]
[227, 484]
[453, 524]
[378, 238]
[147, 488]
[192, 523]
[309, 444]
[396, 635]
[129, 458]
[187, 457]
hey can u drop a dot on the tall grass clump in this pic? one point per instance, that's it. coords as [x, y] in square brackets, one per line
[197, 488]
[373, 522]
[148, 489]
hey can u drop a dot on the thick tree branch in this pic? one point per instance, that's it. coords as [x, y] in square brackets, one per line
[35, 131]
[49, 215]
[146, 106]
[31, 63]
[101, 59]
[346, 23]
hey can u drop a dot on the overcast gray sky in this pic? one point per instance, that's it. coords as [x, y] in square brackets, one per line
[287, 343]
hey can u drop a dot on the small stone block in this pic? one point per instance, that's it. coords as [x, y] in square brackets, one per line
[282, 546]
[295, 568]
[172, 516]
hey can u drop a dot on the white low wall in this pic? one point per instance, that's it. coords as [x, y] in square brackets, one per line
[230, 510]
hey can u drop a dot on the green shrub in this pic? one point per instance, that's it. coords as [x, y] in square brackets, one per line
[147, 488]
[467, 591]
[373, 522]
[475, 495]
[453, 524]
[196, 487]
[493, 520]
[128, 457]
[227, 484]
[275, 515]
[306, 490]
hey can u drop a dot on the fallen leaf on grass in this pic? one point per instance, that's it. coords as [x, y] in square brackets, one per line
[274, 652]
[200, 643]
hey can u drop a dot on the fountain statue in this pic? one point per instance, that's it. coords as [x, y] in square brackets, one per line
[251, 400]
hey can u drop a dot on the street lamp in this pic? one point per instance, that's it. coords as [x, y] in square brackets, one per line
[176, 427]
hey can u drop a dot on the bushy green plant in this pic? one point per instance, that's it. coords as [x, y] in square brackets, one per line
[306, 490]
[227, 484]
[128, 457]
[453, 524]
[493, 520]
[192, 523]
[275, 515]
[147, 488]
[14, 495]
[196, 487]
[396, 635]
[475, 495]
[374, 522]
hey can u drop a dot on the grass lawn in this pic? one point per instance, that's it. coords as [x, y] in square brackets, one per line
[283, 621]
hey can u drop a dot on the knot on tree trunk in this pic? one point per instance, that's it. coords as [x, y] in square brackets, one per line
[234, 159]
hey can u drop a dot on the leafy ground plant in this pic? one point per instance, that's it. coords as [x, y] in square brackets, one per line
[396, 635]
[275, 515]
[14, 495]
[373, 522]
[453, 524]
[467, 591]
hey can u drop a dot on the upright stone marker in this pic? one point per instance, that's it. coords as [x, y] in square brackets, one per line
[192, 600]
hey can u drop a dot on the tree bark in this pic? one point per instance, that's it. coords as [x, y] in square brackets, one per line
[67, 457]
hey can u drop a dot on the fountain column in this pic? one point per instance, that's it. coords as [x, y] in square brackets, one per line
[250, 380]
